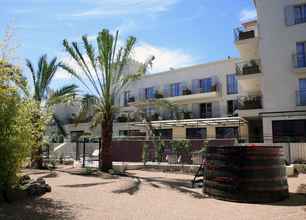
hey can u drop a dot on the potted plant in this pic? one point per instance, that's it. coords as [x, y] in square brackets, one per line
[158, 95]
[155, 117]
[131, 99]
[122, 119]
[187, 115]
[214, 88]
[187, 91]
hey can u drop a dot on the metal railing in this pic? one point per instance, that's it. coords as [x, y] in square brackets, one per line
[250, 102]
[301, 97]
[248, 67]
[213, 88]
[299, 60]
[242, 34]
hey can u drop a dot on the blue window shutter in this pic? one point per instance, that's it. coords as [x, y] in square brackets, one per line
[302, 84]
[290, 15]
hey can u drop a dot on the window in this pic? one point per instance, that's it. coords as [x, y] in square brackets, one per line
[206, 110]
[149, 93]
[289, 131]
[300, 14]
[126, 98]
[175, 89]
[131, 133]
[206, 85]
[196, 133]
[232, 84]
[302, 91]
[232, 106]
[227, 132]
[301, 54]
[164, 133]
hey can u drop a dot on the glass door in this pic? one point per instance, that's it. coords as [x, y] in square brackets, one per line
[300, 54]
[302, 92]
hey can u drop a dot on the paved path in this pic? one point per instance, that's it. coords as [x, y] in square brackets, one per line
[145, 195]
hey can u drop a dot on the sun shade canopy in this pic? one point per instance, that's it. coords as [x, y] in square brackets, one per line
[229, 121]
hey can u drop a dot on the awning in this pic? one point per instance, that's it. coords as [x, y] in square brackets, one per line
[228, 121]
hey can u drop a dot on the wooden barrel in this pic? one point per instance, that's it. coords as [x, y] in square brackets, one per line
[246, 173]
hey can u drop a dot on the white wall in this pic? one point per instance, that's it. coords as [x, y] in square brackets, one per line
[277, 45]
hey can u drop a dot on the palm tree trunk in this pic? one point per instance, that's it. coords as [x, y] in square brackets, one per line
[37, 160]
[106, 160]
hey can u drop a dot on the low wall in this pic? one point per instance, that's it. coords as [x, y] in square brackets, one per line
[294, 152]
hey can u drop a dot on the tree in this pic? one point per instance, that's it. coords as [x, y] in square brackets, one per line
[15, 125]
[44, 99]
[161, 105]
[104, 74]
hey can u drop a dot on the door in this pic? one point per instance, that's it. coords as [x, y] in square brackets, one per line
[302, 91]
[206, 110]
[300, 54]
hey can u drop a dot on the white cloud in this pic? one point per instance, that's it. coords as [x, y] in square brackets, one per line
[247, 15]
[164, 58]
[124, 7]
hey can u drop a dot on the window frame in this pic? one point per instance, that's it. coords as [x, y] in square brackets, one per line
[231, 84]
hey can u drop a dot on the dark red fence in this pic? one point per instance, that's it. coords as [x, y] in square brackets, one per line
[132, 150]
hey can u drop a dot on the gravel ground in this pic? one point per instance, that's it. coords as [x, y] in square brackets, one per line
[144, 195]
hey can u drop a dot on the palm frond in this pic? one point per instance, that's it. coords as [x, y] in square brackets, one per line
[88, 105]
[59, 125]
[63, 95]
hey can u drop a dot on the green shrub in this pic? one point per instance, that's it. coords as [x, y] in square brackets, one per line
[160, 150]
[145, 153]
[181, 147]
[15, 126]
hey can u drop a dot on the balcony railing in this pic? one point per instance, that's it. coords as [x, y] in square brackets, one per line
[301, 97]
[299, 60]
[131, 99]
[242, 34]
[250, 102]
[213, 88]
[248, 67]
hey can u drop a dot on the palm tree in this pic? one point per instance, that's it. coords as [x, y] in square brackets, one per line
[104, 74]
[45, 98]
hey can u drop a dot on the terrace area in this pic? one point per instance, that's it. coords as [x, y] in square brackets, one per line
[144, 195]
[182, 93]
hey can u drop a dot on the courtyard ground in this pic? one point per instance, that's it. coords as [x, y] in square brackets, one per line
[143, 195]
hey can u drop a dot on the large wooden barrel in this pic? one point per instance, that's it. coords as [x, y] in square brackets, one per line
[246, 173]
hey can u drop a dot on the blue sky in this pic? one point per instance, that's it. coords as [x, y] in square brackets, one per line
[177, 32]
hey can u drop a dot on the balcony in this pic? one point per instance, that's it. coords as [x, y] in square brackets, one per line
[250, 102]
[242, 34]
[248, 67]
[247, 42]
[299, 62]
[301, 97]
[131, 99]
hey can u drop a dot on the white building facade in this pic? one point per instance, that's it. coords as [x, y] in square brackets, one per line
[266, 87]
[273, 70]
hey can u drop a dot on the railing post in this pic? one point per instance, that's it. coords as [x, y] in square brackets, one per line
[84, 152]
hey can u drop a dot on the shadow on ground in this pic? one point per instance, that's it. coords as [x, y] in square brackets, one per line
[84, 185]
[183, 186]
[132, 189]
[36, 209]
